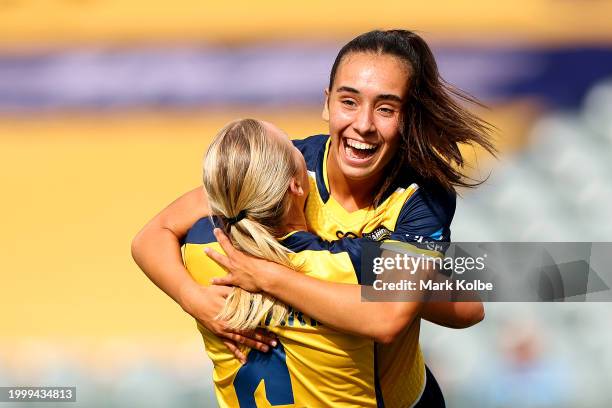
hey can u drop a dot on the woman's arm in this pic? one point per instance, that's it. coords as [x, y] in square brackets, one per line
[456, 315]
[338, 305]
[156, 250]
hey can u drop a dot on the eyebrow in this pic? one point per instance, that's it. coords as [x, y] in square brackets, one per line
[390, 97]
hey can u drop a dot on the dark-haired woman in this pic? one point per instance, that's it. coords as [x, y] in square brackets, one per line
[389, 166]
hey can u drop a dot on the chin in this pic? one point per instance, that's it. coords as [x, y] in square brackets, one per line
[357, 173]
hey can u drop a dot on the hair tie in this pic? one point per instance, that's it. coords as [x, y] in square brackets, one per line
[232, 220]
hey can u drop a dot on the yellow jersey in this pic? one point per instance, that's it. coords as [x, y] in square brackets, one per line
[313, 365]
[411, 210]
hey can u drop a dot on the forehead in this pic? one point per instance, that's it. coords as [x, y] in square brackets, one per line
[379, 73]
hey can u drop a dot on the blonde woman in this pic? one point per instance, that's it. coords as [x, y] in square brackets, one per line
[257, 185]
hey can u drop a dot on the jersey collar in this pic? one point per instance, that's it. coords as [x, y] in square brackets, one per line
[321, 173]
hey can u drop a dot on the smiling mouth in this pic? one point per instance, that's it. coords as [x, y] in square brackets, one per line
[356, 150]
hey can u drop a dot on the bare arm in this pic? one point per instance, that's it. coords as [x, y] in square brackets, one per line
[457, 309]
[338, 305]
[456, 315]
[349, 313]
[156, 250]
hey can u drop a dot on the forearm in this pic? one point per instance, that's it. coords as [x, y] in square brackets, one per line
[339, 305]
[156, 248]
[455, 309]
[456, 315]
[157, 252]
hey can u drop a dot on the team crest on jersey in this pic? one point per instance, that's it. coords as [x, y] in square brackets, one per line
[379, 234]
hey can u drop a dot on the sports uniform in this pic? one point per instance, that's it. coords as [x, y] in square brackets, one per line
[410, 211]
[310, 367]
[313, 365]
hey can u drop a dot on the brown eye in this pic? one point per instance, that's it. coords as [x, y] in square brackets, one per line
[386, 111]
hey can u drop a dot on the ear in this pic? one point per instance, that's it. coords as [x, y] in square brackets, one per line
[325, 114]
[295, 187]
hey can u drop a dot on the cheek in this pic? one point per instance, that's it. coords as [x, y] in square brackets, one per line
[306, 187]
[392, 142]
[392, 134]
[339, 118]
[305, 180]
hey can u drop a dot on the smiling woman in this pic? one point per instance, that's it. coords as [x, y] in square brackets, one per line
[385, 90]
[387, 169]
[366, 98]
[369, 101]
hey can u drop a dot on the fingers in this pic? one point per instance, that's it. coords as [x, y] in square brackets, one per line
[259, 335]
[265, 337]
[235, 351]
[254, 344]
[224, 241]
[227, 280]
[224, 291]
[222, 260]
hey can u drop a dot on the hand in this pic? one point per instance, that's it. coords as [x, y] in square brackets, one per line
[242, 270]
[204, 304]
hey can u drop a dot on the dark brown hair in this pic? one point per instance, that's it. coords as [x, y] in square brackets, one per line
[433, 122]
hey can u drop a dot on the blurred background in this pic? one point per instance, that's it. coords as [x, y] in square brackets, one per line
[107, 106]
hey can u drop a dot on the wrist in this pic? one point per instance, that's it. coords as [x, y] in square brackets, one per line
[188, 290]
[267, 280]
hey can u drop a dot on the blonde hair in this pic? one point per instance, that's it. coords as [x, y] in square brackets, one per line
[247, 173]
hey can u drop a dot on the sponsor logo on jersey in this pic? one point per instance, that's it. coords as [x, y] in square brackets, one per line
[379, 234]
[431, 242]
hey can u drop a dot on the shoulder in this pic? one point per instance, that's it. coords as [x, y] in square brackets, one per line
[311, 148]
[202, 231]
[439, 203]
[428, 212]
[306, 241]
[314, 142]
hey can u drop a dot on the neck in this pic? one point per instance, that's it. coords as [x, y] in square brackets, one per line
[351, 194]
[295, 221]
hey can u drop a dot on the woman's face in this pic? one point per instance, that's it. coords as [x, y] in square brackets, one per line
[363, 110]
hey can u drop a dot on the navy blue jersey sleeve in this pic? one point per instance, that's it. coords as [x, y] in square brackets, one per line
[353, 247]
[202, 231]
[311, 148]
[307, 241]
[426, 217]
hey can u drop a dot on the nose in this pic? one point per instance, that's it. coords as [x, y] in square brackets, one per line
[364, 121]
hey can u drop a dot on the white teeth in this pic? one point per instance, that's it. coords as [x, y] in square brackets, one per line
[360, 145]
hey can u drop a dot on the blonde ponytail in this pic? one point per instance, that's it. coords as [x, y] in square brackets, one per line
[246, 175]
